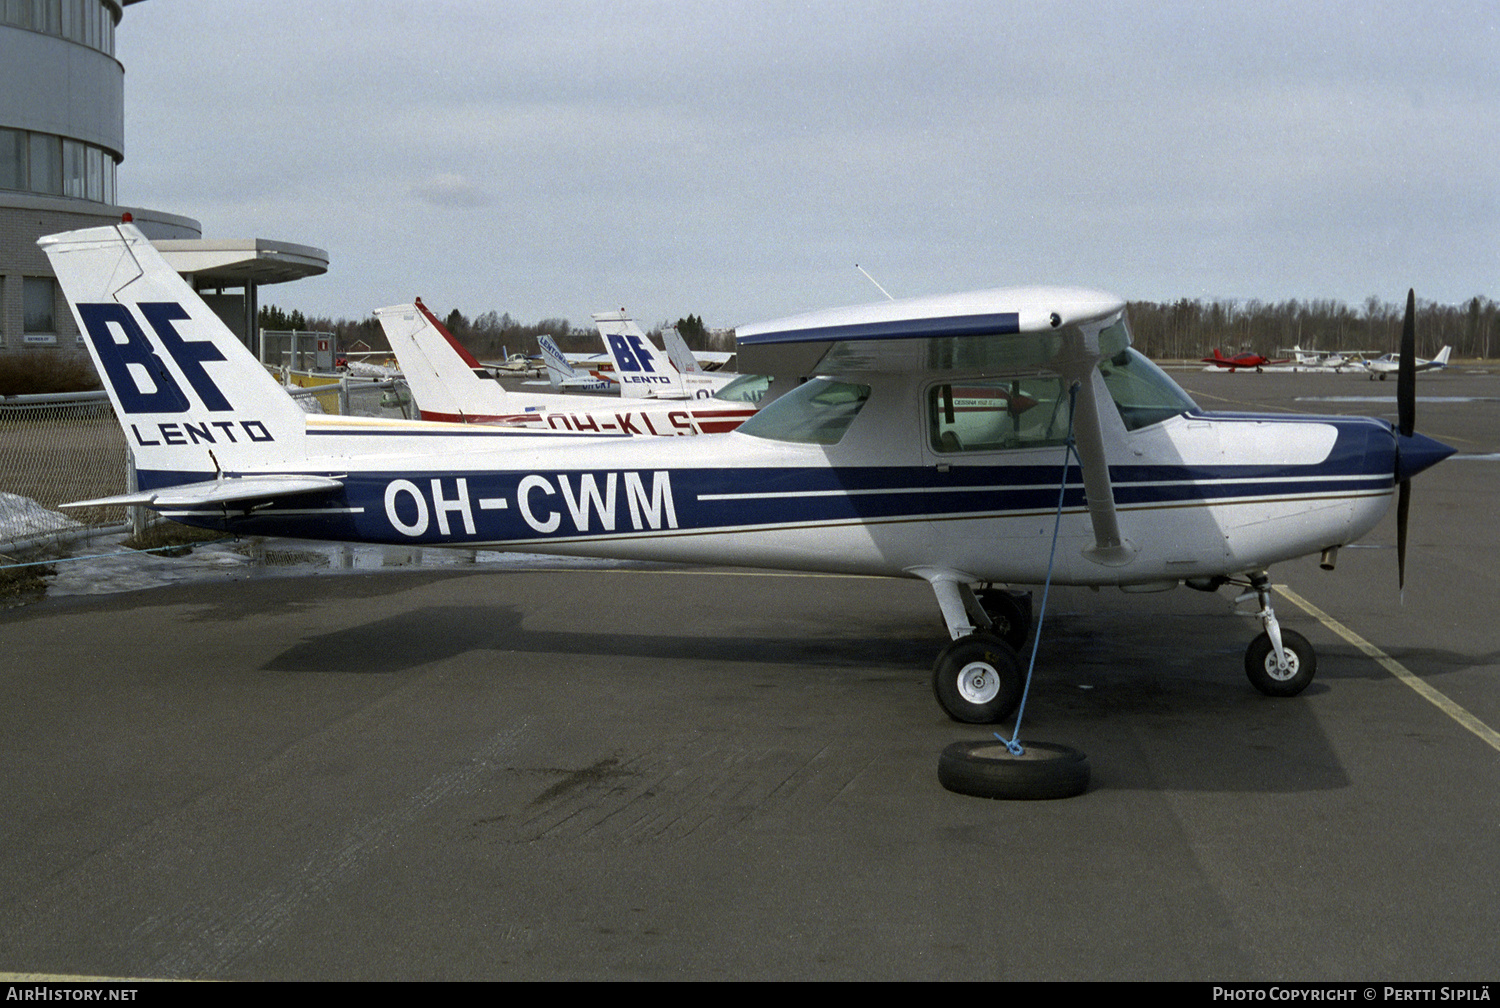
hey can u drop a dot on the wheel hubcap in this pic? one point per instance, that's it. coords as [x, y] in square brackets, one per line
[1278, 673]
[978, 683]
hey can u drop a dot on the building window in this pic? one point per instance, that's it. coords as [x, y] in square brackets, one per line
[46, 174]
[43, 163]
[74, 169]
[38, 300]
[12, 159]
[90, 22]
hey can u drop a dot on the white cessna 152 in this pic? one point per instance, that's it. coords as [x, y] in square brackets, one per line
[444, 379]
[1390, 364]
[930, 442]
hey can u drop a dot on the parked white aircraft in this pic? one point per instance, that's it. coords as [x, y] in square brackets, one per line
[690, 361]
[1334, 361]
[1391, 363]
[445, 381]
[933, 439]
[643, 370]
[564, 377]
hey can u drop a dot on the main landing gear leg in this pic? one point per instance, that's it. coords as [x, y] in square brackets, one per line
[1279, 662]
[977, 678]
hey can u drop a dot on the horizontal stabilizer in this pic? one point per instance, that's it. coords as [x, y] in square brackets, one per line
[220, 491]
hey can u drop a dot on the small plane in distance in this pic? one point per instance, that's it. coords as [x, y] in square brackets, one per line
[1391, 364]
[1001, 437]
[1240, 361]
[1329, 361]
[445, 381]
[564, 376]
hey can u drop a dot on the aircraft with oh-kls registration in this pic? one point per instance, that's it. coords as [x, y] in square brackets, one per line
[444, 378]
[943, 438]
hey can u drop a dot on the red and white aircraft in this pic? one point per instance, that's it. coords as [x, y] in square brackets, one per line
[445, 382]
[1244, 360]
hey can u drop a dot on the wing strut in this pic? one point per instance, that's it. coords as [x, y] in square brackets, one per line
[1110, 548]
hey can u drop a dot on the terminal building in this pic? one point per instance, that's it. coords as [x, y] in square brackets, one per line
[62, 144]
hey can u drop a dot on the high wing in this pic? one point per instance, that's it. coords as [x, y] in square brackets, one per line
[1067, 331]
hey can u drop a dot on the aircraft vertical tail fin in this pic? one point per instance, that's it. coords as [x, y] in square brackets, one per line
[559, 371]
[678, 353]
[642, 369]
[191, 398]
[442, 374]
[1441, 360]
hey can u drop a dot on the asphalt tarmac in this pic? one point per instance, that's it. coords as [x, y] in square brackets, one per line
[661, 774]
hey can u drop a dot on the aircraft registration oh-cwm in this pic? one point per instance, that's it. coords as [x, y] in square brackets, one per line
[444, 380]
[930, 440]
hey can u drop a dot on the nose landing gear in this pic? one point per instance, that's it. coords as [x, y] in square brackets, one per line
[1279, 663]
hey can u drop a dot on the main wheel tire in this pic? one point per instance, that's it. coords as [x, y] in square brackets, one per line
[988, 770]
[1264, 675]
[977, 679]
[1009, 612]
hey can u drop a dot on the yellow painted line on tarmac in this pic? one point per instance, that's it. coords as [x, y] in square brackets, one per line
[1395, 668]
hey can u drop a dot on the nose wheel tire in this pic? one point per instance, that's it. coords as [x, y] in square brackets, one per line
[977, 679]
[1272, 680]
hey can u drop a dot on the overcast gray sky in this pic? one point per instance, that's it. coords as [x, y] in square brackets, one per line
[735, 160]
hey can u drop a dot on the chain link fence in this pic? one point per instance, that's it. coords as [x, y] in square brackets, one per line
[55, 449]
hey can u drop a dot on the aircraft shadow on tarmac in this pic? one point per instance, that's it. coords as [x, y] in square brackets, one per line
[1151, 718]
[415, 638]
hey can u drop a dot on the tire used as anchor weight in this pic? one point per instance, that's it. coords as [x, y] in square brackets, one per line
[987, 769]
[977, 679]
[1262, 670]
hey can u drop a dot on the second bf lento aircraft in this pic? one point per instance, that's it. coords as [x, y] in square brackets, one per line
[929, 440]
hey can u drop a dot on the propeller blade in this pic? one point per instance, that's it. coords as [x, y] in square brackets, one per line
[1406, 371]
[1403, 506]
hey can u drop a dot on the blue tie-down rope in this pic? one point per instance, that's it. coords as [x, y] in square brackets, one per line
[1013, 744]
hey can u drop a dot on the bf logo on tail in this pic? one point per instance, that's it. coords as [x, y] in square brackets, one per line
[629, 352]
[139, 377]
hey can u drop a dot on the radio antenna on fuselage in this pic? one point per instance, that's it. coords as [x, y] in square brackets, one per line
[872, 280]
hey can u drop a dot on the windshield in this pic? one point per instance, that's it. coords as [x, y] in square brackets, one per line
[1143, 393]
[749, 388]
[816, 412]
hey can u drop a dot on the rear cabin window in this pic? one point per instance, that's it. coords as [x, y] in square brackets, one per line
[816, 412]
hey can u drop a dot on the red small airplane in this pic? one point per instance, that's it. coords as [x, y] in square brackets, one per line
[1244, 360]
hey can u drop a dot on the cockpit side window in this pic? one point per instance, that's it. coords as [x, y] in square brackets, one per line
[993, 414]
[817, 412]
